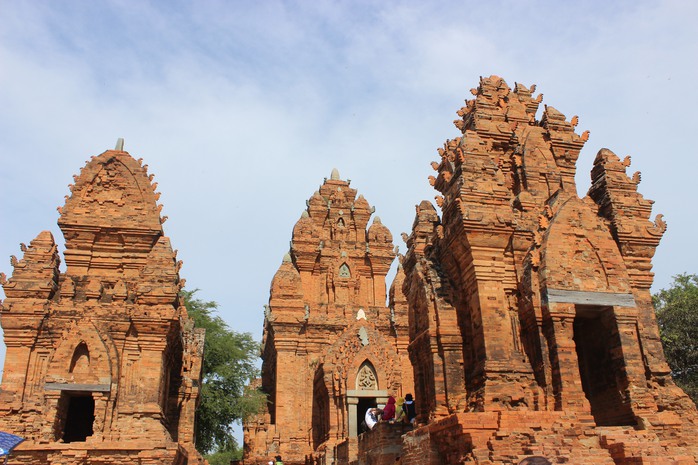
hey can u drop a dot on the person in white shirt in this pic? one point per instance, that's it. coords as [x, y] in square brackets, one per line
[372, 417]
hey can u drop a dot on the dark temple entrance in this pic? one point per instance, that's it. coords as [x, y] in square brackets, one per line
[79, 418]
[601, 366]
[365, 403]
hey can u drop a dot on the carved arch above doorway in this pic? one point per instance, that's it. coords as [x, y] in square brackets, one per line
[366, 378]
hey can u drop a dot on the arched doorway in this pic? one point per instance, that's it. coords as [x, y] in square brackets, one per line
[366, 395]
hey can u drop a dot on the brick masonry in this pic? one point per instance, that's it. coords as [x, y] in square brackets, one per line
[331, 346]
[103, 365]
[532, 330]
[520, 317]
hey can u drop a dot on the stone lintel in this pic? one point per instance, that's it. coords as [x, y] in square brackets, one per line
[367, 393]
[591, 298]
[78, 387]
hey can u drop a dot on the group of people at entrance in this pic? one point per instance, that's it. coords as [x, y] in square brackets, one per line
[277, 461]
[402, 410]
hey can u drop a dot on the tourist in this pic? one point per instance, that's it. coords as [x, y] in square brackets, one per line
[399, 413]
[372, 417]
[389, 410]
[278, 460]
[409, 409]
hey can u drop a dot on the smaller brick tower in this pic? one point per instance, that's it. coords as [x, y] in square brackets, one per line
[331, 348]
[103, 364]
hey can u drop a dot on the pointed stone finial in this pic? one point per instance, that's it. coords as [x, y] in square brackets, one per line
[287, 258]
[335, 174]
[119, 144]
[305, 214]
[377, 220]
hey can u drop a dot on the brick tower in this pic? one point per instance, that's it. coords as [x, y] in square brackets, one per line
[331, 347]
[103, 364]
[539, 301]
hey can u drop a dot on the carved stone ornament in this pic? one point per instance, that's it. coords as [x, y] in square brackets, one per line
[366, 380]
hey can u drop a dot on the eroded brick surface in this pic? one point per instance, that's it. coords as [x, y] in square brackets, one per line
[530, 313]
[330, 343]
[103, 365]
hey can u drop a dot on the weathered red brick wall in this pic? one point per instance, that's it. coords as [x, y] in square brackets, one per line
[532, 305]
[103, 365]
[383, 444]
[330, 342]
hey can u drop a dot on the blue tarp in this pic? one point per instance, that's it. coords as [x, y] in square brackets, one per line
[8, 442]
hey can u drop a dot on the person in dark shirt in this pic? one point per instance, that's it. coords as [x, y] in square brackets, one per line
[409, 409]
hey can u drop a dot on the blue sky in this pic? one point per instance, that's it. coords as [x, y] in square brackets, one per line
[240, 109]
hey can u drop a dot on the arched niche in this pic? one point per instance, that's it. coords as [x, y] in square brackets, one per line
[80, 362]
[344, 271]
[83, 357]
[579, 253]
[366, 378]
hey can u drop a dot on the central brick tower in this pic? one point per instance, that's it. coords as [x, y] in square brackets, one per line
[331, 346]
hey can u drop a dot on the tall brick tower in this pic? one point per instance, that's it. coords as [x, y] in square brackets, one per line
[103, 364]
[531, 321]
[332, 348]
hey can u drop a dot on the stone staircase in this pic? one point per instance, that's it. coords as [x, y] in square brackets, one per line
[505, 438]
[628, 446]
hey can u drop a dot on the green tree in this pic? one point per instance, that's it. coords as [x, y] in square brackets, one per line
[229, 365]
[677, 315]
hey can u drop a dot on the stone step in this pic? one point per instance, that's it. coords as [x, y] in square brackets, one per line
[642, 447]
